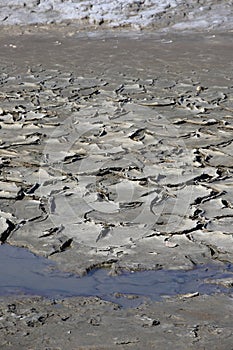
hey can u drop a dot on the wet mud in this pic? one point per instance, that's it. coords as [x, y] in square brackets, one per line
[26, 274]
[197, 322]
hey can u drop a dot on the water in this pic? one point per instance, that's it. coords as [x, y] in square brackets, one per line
[24, 273]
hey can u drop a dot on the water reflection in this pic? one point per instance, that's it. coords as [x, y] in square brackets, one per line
[24, 273]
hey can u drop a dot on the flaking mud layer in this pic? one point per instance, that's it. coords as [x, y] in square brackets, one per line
[117, 149]
[165, 15]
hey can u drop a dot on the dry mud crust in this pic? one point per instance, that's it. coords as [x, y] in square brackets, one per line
[116, 147]
[159, 14]
[198, 322]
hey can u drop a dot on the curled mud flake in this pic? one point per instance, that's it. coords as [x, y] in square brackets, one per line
[52, 231]
[32, 189]
[6, 228]
[73, 158]
[199, 89]
[158, 103]
[66, 245]
[207, 122]
[102, 132]
[103, 233]
[131, 89]
[226, 204]
[138, 135]
[148, 321]
[189, 295]
[63, 247]
[3, 226]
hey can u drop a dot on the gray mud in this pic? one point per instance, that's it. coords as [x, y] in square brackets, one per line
[182, 323]
[120, 157]
[116, 152]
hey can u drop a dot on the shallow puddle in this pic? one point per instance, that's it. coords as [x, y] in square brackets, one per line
[23, 273]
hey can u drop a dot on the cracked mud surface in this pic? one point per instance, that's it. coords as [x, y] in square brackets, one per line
[119, 157]
[116, 151]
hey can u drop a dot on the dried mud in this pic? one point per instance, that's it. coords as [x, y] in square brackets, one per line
[117, 148]
[157, 14]
[116, 151]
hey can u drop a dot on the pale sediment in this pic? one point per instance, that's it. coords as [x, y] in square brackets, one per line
[165, 15]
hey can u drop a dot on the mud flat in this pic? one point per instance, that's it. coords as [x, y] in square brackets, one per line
[116, 148]
[116, 151]
[90, 323]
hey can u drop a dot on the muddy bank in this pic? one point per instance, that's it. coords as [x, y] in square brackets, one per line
[90, 323]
